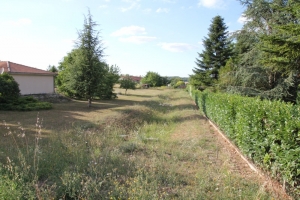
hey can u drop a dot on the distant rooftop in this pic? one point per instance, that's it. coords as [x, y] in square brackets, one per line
[14, 68]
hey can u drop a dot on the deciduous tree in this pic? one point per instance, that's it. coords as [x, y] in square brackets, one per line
[127, 83]
[153, 79]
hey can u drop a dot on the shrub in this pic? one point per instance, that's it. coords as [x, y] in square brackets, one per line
[268, 132]
[25, 104]
[9, 88]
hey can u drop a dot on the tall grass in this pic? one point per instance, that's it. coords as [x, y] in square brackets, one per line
[140, 154]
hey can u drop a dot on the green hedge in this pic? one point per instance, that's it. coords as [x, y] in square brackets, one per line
[268, 132]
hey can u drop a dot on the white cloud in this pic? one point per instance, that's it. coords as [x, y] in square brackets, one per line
[103, 6]
[107, 0]
[137, 39]
[129, 30]
[242, 19]
[211, 3]
[19, 22]
[147, 10]
[176, 47]
[162, 10]
[135, 34]
[133, 4]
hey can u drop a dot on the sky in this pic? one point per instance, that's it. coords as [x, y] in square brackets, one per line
[163, 36]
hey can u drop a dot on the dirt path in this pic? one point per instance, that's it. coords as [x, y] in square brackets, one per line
[229, 156]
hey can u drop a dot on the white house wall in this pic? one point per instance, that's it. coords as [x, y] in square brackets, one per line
[30, 84]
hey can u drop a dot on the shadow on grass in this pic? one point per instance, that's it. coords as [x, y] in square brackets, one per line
[138, 95]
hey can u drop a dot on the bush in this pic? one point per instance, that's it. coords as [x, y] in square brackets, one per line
[268, 132]
[25, 104]
[9, 88]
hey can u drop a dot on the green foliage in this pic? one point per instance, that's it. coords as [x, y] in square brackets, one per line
[10, 98]
[266, 131]
[179, 84]
[174, 80]
[9, 88]
[82, 73]
[111, 77]
[27, 103]
[52, 68]
[217, 50]
[154, 79]
[127, 83]
[64, 75]
[225, 74]
[267, 51]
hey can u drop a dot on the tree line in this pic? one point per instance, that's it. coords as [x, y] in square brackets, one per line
[84, 74]
[262, 59]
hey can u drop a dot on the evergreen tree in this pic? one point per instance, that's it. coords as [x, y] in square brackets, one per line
[217, 50]
[267, 50]
[84, 70]
[52, 69]
[281, 49]
[88, 70]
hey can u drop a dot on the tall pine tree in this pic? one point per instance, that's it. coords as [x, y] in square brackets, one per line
[217, 50]
[86, 71]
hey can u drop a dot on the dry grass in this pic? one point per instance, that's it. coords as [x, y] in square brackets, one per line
[151, 143]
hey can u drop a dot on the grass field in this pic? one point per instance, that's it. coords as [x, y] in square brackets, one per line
[149, 144]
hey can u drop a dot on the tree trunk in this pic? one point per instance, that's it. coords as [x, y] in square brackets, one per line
[89, 102]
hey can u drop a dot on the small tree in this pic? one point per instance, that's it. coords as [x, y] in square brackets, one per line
[174, 80]
[52, 68]
[9, 88]
[127, 83]
[179, 84]
[153, 79]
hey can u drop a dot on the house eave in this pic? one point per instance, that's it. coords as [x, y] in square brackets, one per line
[32, 74]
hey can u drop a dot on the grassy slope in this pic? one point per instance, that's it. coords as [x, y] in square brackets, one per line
[150, 144]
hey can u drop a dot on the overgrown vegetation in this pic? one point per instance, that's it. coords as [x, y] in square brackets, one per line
[158, 148]
[266, 131]
[27, 103]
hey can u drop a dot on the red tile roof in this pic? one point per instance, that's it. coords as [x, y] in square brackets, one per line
[14, 68]
[134, 78]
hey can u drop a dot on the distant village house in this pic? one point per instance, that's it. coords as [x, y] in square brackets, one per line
[136, 79]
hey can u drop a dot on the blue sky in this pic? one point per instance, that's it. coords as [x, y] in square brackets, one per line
[163, 36]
